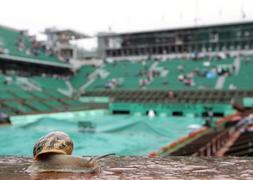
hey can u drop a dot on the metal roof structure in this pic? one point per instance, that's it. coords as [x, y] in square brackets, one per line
[174, 29]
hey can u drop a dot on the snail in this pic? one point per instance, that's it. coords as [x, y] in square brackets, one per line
[52, 153]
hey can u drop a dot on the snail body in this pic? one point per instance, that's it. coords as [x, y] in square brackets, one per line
[52, 153]
[64, 163]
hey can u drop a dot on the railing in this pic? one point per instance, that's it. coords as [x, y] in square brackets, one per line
[214, 145]
[220, 144]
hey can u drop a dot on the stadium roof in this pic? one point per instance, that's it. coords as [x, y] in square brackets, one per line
[174, 29]
[71, 34]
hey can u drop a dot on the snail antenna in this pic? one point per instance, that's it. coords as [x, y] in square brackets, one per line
[101, 157]
[106, 155]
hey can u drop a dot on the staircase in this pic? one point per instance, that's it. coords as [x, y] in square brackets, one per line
[235, 140]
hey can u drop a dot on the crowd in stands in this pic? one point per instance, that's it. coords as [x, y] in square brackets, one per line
[196, 73]
[148, 76]
[20, 42]
[36, 47]
[146, 73]
[211, 67]
[112, 84]
[187, 78]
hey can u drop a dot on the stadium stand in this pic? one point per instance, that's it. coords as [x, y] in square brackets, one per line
[81, 76]
[242, 146]
[127, 75]
[167, 86]
[175, 74]
[33, 80]
[245, 71]
[21, 94]
[55, 94]
[205, 73]
[38, 106]
[17, 98]
[17, 43]
[18, 107]
[56, 105]
[121, 75]
[49, 82]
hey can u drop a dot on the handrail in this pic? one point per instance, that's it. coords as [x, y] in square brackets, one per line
[219, 142]
[214, 145]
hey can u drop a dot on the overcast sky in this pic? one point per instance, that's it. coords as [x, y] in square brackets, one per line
[92, 16]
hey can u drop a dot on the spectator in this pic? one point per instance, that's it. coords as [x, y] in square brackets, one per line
[4, 118]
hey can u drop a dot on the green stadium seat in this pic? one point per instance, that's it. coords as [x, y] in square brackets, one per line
[6, 95]
[39, 106]
[50, 83]
[81, 77]
[19, 93]
[126, 72]
[73, 102]
[40, 95]
[54, 94]
[7, 110]
[55, 105]
[9, 39]
[18, 106]
[243, 80]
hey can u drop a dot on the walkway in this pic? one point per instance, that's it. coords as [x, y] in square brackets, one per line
[220, 82]
[92, 78]
[237, 64]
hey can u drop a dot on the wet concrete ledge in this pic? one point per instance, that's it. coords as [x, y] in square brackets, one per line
[141, 168]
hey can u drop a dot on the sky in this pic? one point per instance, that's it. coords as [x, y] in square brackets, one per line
[93, 16]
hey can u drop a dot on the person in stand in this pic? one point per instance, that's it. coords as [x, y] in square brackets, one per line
[209, 119]
[4, 119]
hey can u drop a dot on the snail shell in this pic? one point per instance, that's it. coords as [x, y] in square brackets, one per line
[53, 143]
[53, 153]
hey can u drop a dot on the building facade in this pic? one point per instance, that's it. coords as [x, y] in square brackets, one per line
[201, 39]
